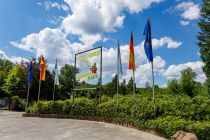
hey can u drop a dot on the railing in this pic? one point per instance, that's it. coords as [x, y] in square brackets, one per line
[5, 103]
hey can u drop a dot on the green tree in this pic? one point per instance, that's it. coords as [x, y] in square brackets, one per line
[15, 83]
[201, 89]
[110, 88]
[204, 39]
[174, 87]
[130, 85]
[187, 81]
[5, 67]
[66, 80]
[123, 88]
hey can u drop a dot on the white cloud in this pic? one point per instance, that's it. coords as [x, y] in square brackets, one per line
[143, 72]
[174, 71]
[88, 20]
[184, 23]
[51, 43]
[48, 5]
[94, 17]
[90, 39]
[143, 69]
[13, 59]
[55, 20]
[191, 11]
[165, 41]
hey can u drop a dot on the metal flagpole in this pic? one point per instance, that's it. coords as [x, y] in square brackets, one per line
[27, 96]
[54, 92]
[117, 71]
[39, 89]
[153, 88]
[153, 79]
[101, 76]
[134, 90]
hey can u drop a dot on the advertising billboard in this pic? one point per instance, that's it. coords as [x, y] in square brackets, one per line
[88, 64]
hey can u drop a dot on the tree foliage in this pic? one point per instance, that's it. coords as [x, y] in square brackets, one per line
[5, 67]
[174, 86]
[186, 84]
[187, 81]
[15, 83]
[204, 39]
[66, 80]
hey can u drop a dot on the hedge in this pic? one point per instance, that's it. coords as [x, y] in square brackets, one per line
[173, 112]
[18, 104]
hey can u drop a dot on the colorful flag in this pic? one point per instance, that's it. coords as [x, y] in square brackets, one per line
[42, 69]
[119, 64]
[131, 54]
[148, 41]
[30, 71]
[56, 81]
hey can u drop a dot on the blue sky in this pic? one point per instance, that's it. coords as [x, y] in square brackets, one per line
[59, 29]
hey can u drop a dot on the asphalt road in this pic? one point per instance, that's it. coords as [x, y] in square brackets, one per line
[15, 127]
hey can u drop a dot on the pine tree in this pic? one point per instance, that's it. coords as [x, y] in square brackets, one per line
[204, 39]
[123, 88]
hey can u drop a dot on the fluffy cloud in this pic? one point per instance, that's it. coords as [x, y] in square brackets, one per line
[190, 10]
[48, 5]
[14, 59]
[174, 71]
[143, 69]
[143, 72]
[51, 43]
[166, 41]
[55, 20]
[94, 17]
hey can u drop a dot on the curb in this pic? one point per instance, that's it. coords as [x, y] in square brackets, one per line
[91, 118]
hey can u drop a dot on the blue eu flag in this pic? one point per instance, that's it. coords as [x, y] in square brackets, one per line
[148, 41]
[29, 74]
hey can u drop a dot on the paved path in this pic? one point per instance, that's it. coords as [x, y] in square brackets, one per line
[15, 127]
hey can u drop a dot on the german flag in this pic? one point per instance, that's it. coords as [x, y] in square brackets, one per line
[42, 69]
[131, 54]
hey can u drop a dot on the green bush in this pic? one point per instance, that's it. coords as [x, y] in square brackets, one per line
[169, 125]
[18, 104]
[173, 112]
[201, 129]
[32, 109]
[200, 108]
[82, 106]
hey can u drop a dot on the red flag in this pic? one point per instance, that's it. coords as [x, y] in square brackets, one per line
[42, 69]
[131, 54]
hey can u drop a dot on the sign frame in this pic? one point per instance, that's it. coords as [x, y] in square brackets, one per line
[99, 85]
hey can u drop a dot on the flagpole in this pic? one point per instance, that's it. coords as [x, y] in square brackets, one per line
[117, 71]
[134, 91]
[54, 92]
[153, 79]
[153, 88]
[27, 96]
[39, 89]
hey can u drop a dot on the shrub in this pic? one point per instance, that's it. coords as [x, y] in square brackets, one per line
[201, 129]
[169, 125]
[18, 104]
[82, 106]
[32, 109]
[200, 108]
[173, 112]
[107, 109]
